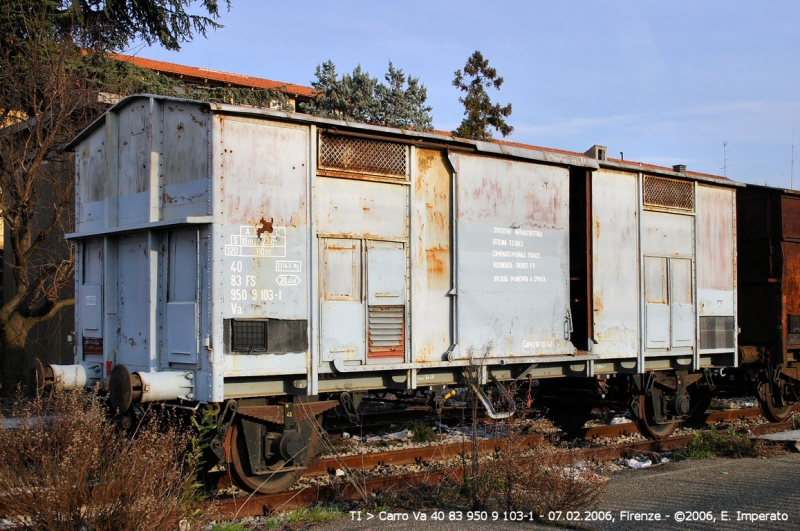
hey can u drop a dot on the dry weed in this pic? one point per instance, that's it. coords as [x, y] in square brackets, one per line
[66, 467]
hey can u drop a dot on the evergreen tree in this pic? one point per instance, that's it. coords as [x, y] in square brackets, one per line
[362, 98]
[478, 109]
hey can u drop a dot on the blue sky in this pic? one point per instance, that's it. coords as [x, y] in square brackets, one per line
[664, 82]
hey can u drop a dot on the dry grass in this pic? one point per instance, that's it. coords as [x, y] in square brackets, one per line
[539, 478]
[67, 467]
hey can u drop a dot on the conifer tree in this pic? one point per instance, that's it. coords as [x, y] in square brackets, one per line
[480, 113]
[362, 98]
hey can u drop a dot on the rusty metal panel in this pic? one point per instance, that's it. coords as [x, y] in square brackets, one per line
[134, 163]
[430, 256]
[261, 234]
[185, 184]
[353, 208]
[340, 270]
[342, 325]
[262, 213]
[791, 292]
[615, 268]
[512, 257]
[716, 257]
[790, 208]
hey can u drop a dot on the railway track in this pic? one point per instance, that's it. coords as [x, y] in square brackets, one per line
[265, 504]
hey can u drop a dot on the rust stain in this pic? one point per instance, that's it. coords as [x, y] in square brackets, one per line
[132, 341]
[437, 260]
[169, 199]
[264, 226]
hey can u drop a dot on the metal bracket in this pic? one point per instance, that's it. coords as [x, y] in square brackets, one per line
[225, 422]
[488, 403]
[349, 407]
[568, 325]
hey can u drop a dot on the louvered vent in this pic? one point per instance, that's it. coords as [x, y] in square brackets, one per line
[361, 155]
[386, 331]
[668, 193]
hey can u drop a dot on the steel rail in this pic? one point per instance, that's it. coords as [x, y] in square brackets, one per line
[356, 489]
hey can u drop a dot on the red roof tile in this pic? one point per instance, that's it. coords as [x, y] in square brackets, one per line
[215, 75]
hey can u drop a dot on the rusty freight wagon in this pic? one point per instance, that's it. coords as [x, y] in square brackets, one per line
[769, 294]
[275, 265]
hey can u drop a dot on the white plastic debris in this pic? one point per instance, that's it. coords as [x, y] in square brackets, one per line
[340, 472]
[397, 436]
[345, 435]
[634, 463]
[620, 420]
[664, 460]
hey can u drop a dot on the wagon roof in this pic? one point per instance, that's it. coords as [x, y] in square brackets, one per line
[441, 138]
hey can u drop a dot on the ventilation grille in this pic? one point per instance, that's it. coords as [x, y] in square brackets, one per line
[249, 336]
[352, 154]
[668, 193]
[386, 331]
[716, 332]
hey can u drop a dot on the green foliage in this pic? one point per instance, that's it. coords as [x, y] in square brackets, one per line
[123, 78]
[422, 432]
[362, 98]
[113, 24]
[712, 443]
[478, 109]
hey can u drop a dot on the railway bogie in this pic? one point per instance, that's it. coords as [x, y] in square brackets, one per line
[276, 265]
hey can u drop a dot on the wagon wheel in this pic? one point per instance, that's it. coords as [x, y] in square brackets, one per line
[646, 422]
[773, 407]
[276, 479]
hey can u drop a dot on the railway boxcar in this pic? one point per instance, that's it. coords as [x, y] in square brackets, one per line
[276, 265]
[769, 294]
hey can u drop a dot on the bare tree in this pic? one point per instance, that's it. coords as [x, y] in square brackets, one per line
[47, 95]
[45, 100]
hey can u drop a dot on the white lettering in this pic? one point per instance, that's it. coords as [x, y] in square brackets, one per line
[502, 265]
[501, 279]
[502, 230]
[508, 254]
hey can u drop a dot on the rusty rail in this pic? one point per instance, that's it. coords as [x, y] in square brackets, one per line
[426, 454]
[266, 504]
